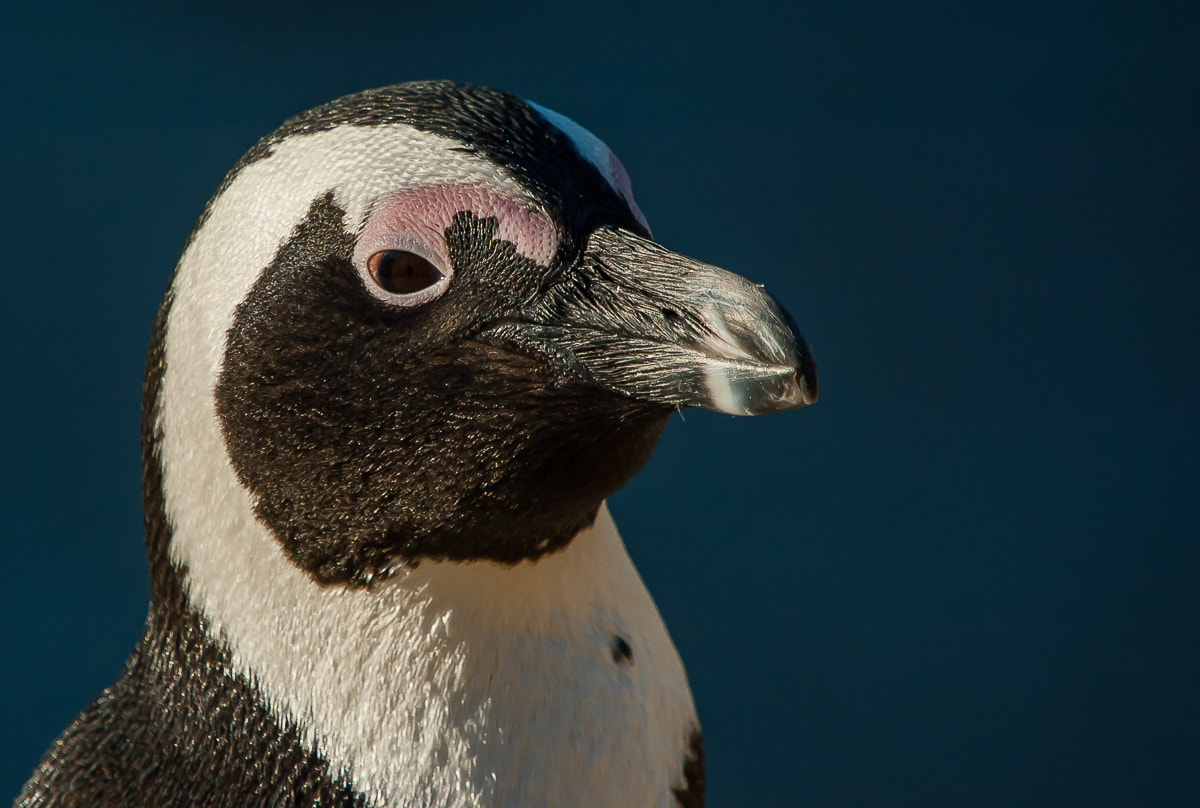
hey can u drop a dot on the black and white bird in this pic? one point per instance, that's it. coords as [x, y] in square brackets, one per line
[417, 337]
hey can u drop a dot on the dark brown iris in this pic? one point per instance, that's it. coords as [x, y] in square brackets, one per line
[401, 272]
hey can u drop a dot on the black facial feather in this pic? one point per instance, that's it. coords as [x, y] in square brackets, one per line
[370, 434]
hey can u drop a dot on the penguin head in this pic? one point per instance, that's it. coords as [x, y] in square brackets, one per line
[429, 322]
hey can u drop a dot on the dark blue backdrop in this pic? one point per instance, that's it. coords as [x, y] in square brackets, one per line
[968, 576]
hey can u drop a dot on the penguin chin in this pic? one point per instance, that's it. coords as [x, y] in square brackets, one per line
[469, 452]
[359, 521]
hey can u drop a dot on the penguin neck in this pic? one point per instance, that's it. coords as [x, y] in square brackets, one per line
[462, 683]
[451, 683]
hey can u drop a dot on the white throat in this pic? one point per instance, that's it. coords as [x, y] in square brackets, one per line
[463, 684]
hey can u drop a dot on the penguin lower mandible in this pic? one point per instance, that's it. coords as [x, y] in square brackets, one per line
[417, 337]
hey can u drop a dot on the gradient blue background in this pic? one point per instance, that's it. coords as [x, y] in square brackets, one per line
[968, 576]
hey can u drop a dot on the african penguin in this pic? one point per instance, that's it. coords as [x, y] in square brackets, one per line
[416, 339]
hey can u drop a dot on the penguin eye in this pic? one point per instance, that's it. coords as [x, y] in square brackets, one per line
[403, 277]
[402, 272]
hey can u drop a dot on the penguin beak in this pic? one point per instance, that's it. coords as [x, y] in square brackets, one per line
[637, 319]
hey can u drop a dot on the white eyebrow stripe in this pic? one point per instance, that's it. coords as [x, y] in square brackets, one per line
[258, 211]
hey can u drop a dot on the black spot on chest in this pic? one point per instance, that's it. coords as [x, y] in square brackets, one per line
[622, 652]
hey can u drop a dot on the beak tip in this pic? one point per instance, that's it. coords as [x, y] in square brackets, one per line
[806, 382]
[763, 394]
[806, 374]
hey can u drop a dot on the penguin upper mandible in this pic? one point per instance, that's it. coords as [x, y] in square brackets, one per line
[417, 337]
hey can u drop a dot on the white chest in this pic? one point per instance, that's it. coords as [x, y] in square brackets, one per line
[467, 684]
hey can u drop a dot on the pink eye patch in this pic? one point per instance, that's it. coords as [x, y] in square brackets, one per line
[416, 219]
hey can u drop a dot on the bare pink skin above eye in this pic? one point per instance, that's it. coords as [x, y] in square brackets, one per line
[423, 215]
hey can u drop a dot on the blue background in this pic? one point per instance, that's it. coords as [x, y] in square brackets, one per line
[968, 576]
